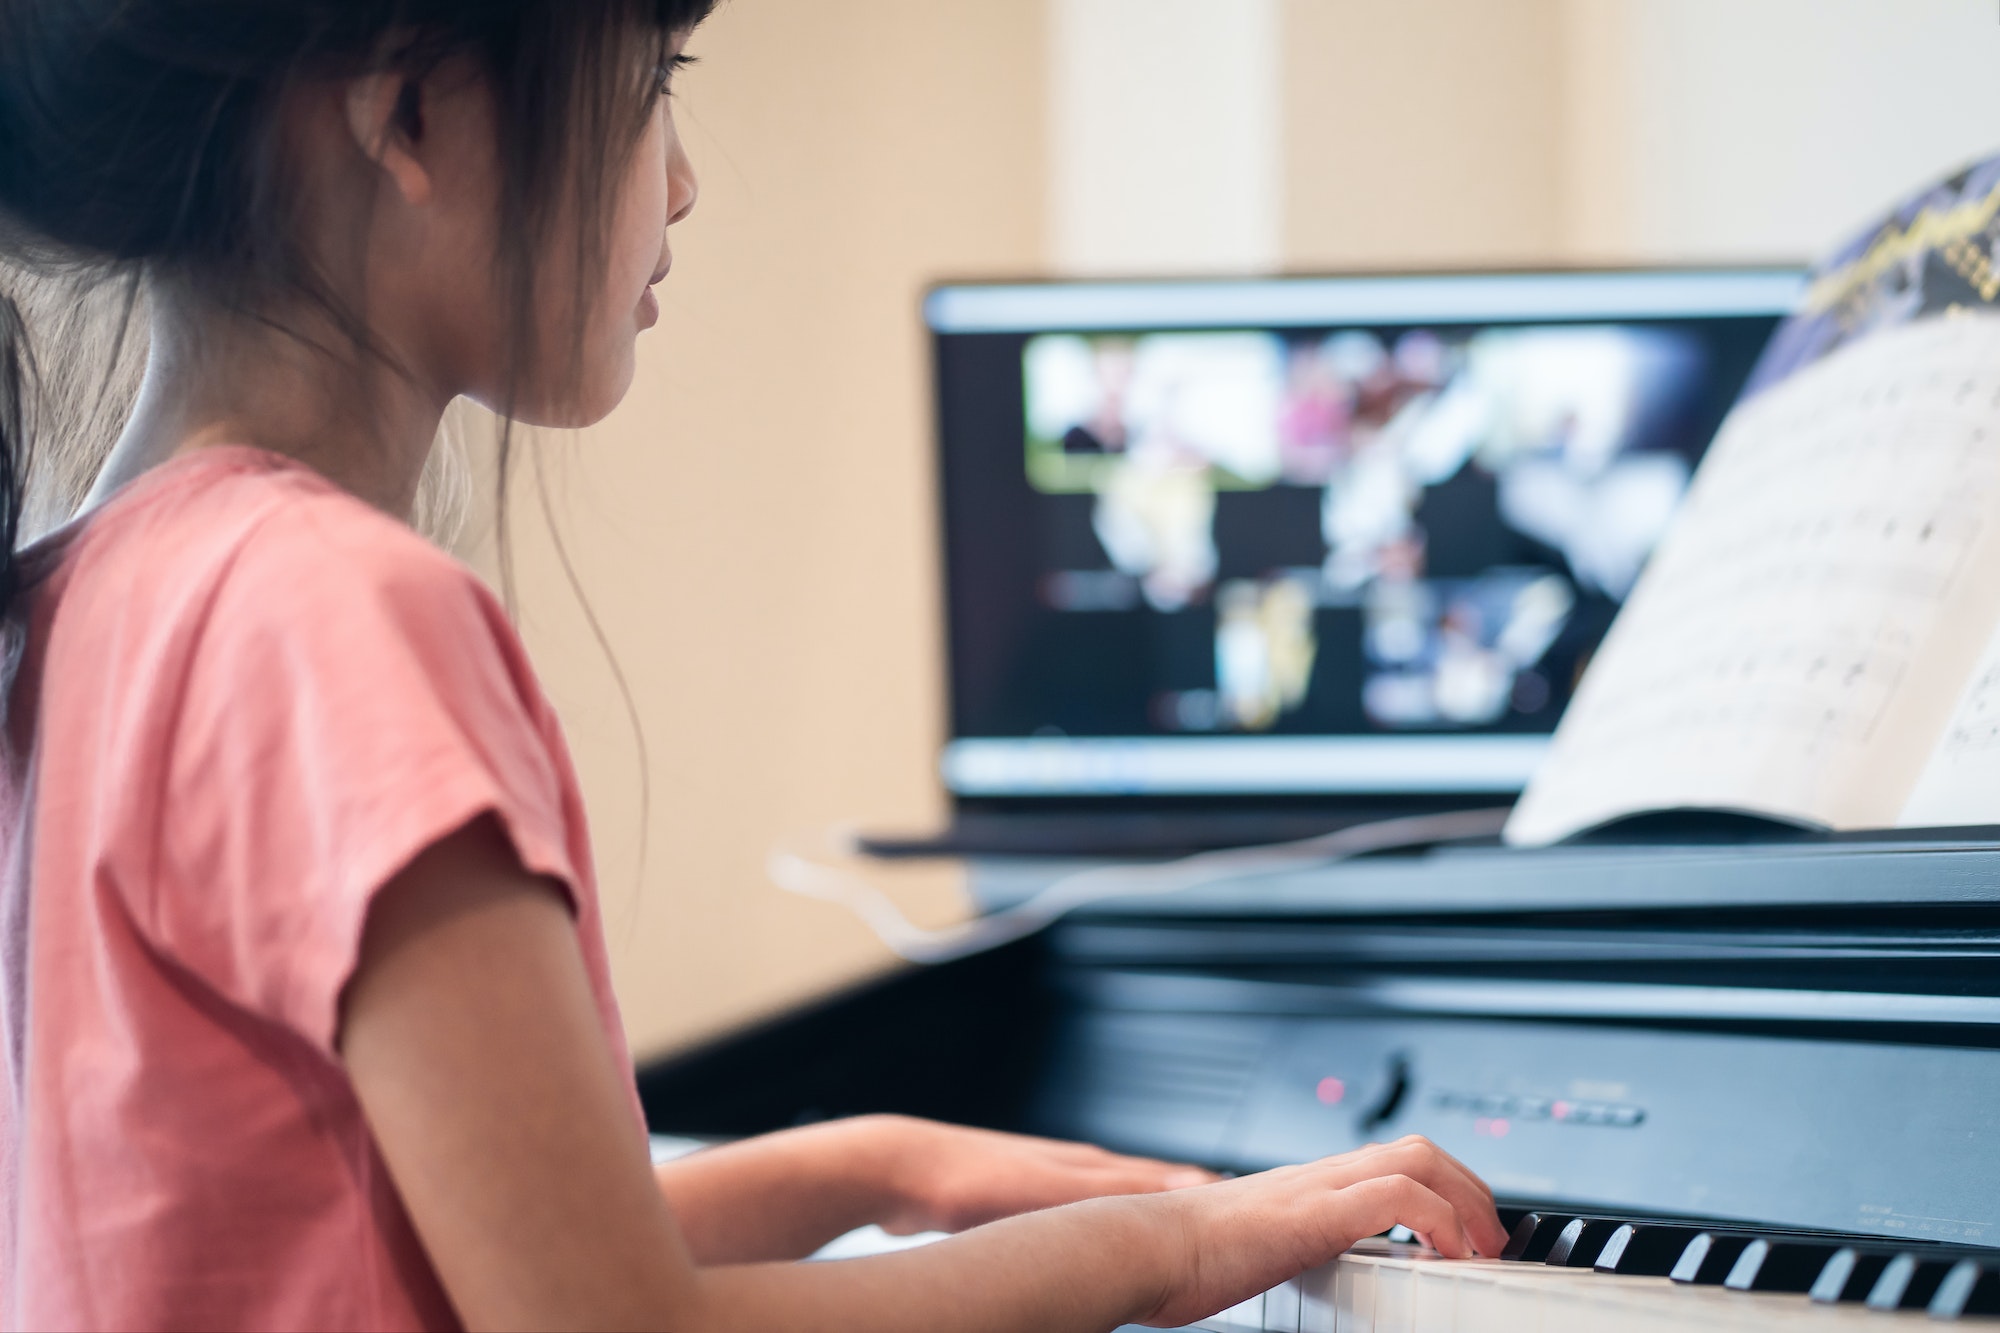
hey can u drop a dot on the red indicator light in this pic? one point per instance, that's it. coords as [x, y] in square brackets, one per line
[1500, 1128]
[1330, 1091]
[1560, 1110]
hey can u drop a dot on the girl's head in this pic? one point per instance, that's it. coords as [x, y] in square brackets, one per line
[472, 194]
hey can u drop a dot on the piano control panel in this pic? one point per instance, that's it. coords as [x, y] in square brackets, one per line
[1853, 1137]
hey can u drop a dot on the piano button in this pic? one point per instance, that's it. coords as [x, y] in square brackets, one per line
[1708, 1258]
[1534, 1236]
[1971, 1287]
[1643, 1249]
[1580, 1242]
[1779, 1265]
[1848, 1275]
[1907, 1283]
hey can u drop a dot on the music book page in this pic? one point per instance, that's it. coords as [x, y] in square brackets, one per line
[1961, 783]
[1800, 642]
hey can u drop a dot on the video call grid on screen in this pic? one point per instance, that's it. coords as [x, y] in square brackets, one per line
[1301, 536]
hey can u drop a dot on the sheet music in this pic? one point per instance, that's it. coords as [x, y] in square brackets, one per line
[1797, 643]
[1961, 783]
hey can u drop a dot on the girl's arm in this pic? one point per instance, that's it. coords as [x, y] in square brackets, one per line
[474, 1046]
[783, 1195]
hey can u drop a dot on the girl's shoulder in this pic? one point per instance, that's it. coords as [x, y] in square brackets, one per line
[256, 530]
[248, 569]
[219, 500]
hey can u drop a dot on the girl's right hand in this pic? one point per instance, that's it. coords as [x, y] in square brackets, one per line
[1228, 1241]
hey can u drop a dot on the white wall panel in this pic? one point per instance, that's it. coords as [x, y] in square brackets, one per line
[1164, 136]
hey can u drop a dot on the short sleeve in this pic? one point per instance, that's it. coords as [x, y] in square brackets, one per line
[353, 697]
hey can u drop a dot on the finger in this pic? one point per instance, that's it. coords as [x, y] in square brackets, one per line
[1445, 1175]
[1157, 1166]
[1372, 1206]
[1451, 1178]
[1416, 1147]
[1470, 1173]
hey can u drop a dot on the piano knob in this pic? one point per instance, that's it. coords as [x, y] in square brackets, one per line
[1971, 1287]
[1643, 1249]
[1779, 1265]
[1534, 1236]
[1849, 1275]
[1708, 1258]
[1580, 1242]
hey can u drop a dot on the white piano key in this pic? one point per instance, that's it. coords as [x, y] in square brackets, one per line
[1354, 1297]
[1281, 1308]
[1408, 1290]
[1435, 1301]
[1316, 1301]
[1395, 1298]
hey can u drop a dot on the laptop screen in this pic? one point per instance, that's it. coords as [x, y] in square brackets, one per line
[1308, 536]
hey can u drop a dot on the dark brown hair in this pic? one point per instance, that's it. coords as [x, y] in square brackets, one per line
[139, 139]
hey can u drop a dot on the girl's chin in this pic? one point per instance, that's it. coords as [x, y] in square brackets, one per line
[649, 309]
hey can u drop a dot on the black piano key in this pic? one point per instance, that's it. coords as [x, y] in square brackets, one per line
[1581, 1242]
[1643, 1249]
[1510, 1217]
[1907, 1283]
[1708, 1258]
[1534, 1236]
[1971, 1287]
[1849, 1275]
[1770, 1264]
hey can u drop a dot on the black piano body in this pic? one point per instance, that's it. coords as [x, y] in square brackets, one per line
[1784, 1034]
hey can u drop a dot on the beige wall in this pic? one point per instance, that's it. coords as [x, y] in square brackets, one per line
[1422, 132]
[1469, 131]
[753, 527]
[1766, 128]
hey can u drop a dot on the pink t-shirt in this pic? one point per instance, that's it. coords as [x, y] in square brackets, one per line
[246, 701]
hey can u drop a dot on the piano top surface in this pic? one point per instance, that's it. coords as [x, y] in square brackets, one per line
[1895, 868]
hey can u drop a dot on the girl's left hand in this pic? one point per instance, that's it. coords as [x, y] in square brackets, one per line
[948, 1178]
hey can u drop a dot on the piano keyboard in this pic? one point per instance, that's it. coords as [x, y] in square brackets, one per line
[1568, 1274]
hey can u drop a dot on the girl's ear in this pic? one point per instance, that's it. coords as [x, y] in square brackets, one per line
[385, 113]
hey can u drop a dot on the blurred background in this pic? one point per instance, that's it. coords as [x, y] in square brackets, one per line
[754, 528]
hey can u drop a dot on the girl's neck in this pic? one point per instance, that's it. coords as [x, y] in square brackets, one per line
[216, 379]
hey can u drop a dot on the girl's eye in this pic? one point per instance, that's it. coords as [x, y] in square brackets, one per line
[663, 74]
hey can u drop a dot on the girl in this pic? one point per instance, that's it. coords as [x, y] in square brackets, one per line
[306, 1012]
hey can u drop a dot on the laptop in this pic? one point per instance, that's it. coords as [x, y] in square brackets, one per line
[1240, 561]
